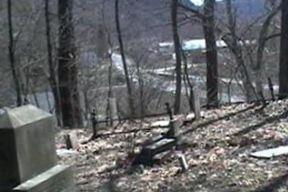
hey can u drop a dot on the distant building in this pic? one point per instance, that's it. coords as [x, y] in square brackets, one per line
[194, 48]
[199, 45]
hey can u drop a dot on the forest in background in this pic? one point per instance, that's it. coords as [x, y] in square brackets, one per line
[250, 32]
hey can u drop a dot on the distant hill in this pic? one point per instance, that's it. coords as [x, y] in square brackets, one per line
[247, 9]
[142, 19]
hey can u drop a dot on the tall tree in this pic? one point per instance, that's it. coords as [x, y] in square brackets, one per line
[283, 68]
[233, 43]
[261, 45]
[123, 56]
[12, 54]
[211, 53]
[177, 47]
[52, 66]
[67, 67]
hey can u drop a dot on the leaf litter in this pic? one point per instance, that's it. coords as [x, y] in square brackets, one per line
[216, 148]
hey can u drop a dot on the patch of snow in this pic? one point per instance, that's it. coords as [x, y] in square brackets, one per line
[161, 123]
[269, 153]
[117, 62]
[65, 152]
[191, 116]
[199, 2]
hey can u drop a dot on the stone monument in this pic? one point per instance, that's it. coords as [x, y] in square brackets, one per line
[28, 160]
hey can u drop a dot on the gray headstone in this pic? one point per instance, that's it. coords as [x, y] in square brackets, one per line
[52, 180]
[71, 140]
[26, 144]
[27, 147]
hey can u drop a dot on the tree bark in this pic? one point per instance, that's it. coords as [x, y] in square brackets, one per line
[52, 67]
[12, 54]
[283, 67]
[211, 54]
[186, 78]
[232, 42]
[110, 73]
[177, 47]
[67, 67]
[260, 64]
[122, 52]
[141, 88]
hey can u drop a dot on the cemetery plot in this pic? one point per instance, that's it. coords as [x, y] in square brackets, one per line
[213, 154]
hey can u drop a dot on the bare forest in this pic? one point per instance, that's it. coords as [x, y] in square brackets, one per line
[163, 95]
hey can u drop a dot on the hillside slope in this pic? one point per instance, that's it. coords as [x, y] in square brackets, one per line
[216, 148]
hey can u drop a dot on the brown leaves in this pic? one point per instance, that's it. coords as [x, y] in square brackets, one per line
[217, 158]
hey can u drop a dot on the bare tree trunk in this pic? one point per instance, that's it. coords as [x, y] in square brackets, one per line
[110, 93]
[270, 84]
[211, 54]
[259, 68]
[177, 47]
[128, 83]
[87, 109]
[283, 68]
[67, 68]
[48, 100]
[52, 67]
[12, 55]
[110, 83]
[141, 88]
[189, 83]
[233, 44]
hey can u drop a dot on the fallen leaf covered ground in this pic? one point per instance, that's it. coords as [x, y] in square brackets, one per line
[216, 148]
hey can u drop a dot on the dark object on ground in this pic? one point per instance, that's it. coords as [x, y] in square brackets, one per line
[156, 146]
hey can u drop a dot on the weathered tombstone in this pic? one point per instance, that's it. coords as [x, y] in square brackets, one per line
[71, 140]
[27, 153]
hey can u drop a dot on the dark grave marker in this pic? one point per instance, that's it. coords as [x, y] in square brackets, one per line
[146, 156]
